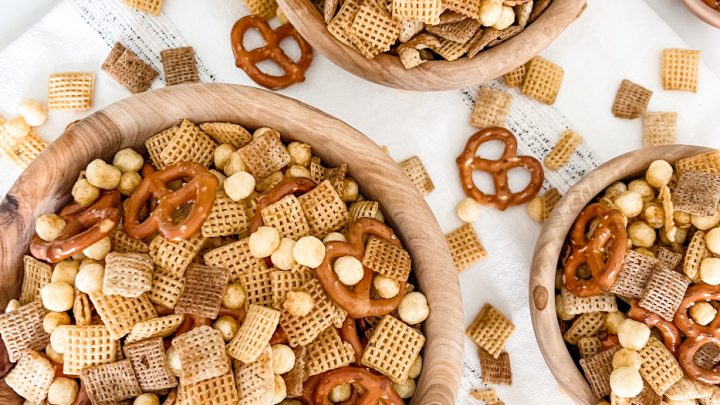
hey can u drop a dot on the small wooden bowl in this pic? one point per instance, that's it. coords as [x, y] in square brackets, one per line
[704, 12]
[45, 187]
[547, 252]
[387, 69]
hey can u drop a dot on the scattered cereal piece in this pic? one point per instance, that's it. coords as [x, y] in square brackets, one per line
[563, 149]
[490, 330]
[87, 346]
[127, 274]
[588, 346]
[705, 162]
[415, 170]
[256, 380]
[262, 8]
[587, 324]
[461, 31]
[680, 69]
[575, 305]
[659, 128]
[110, 383]
[328, 352]
[597, 369]
[155, 327]
[129, 70]
[23, 329]
[495, 370]
[427, 11]
[175, 257]
[303, 329]
[202, 354]
[543, 80]
[634, 275]
[203, 292]
[254, 334]
[36, 275]
[188, 144]
[631, 100]
[152, 7]
[179, 65]
[465, 247]
[491, 108]
[227, 133]
[120, 314]
[393, 348]
[485, 394]
[71, 91]
[150, 365]
[515, 77]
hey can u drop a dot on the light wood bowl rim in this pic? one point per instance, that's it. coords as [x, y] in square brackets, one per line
[704, 12]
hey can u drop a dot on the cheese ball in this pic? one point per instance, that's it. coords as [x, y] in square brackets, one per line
[264, 242]
[280, 391]
[99, 249]
[613, 321]
[298, 303]
[386, 287]
[507, 18]
[52, 320]
[710, 270]
[227, 326]
[239, 186]
[334, 237]
[349, 270]
[626, 358]
[630, 203]
[626, 382]
[283, 359]
[561, 310]
[283, 258]
[681, 219]
[103, 175]
[705, 223]
[57, 296]
[129, 181]
[17, 128]
[49, 227]
[173, 358]
[33, 112]
[659, 173]
[147, 398]
[90, 277]
[234, 164]
[615, 190]
[298, 171]
[63, 391]
[633, 335]
[351, 191]
[57, 339]
[490, 12]
[654, 215]
[702, 313]
[12, 306]
[309, 251]
[406, 389]
[643, 188]
[85, 193]
[127, 160]
[66, 271]
[416, 367]
[468, 210]
[534, 209]
[712, 240]
[222, 155]
[53, 355]
[641, 234]
[340, 393]
[413, 308]
[300, 153]
[234, 297]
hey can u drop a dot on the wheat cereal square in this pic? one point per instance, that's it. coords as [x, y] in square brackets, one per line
[328, 352]
[265, 155]
[256, 380]
[150, 364]
[120, 314]
[490, 330]
[235, 257]
[202, 354]
[393, 348]
[128, 69]
[697, 193]
[416, 172]
[491, 108]
[659, 128]
[631, 100]
[87, 346]
[387, 259]
[495, 370]
[35, 275]
[427, 11]
[680, 69]
[543, 80]
[179, 65]
[203, 292]
[127, 274]
[254, 334]
[110, 383]
[31, 377]
[175, 257]
[465, 247]
[23, 329]
[597, 369]
[71, 91]
[189, 144]
[664, 292]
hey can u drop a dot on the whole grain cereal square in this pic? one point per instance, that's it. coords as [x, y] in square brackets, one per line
[469, 8]
[364, 209]
[416, 172]
[175, 257]
[87, 346]
[695, 253]
[588, 324]
[254, 334]
[491, 108]
[697, 193]
[543, 80]
[659, 368]
[71, 91]
[461, 31]
[262, 8]
[664, 292]
[179, 65]
[515, 77]
[166, 288]
[256, 380]
[110, 383]
[149, 6]
[550, 198]
[631, 100]
[157, 143]
[465, 247]
[324, 209]
[127, 274]
[128, 69]
[490, 330]
[687, 388]
[339, 27]
[120, 314]
[427, 11]
[226, 132]
[506, 34]
[301, 330]
[482, 39]
[485, 394]
[563, 149]
[495, 370]
[283, 281]
[31, 377]
[393, 348]
[597, 369]
[680, 69]
[328, 352]
[23, 329]
[150, 364]
[451, 50]
[294, 378]
[588, 346]
[202, 354]
[287, 216]
[669, 259]
[264, 155]
[575, 305]
[189, 144]
[22, 151]
[35, 275]
[235, 257]
[704, 162]
[258, 286]
[216, 390]
[203, 292]
[659, 128]
[387, 259]
[634, 275]
[375, 26]
[227, 217]
[156, 327]
[123, 243]
[707, 356]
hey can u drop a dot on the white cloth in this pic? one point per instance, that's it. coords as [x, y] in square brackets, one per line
[607, 44]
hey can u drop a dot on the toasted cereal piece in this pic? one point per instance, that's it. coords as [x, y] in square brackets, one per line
[375, 26]
[495, 370]
[150, 364]
[659, 368]
[550, 198]
[227, 217]
[110, 383]
[490, 330]
[415, 170]
[485, 394]
[410, 51]
[451, 50]
[515, 77]
[149, 6]
[23, 329]
[72, 91]
[631, 100]
[588, 346]
[704, 162]
[409, 29]
[225, 132]
[120, 314]
[597, 369]
[179, 65]
[461, 31]
[155, 327]
[687, 388]
[189, 143]
[87, 346]
[336, 175]
[427, 11]
[157, 143]
[522, 13]
[695, 253]
[127, 274]
[491, 108]
[505, 34]
[588, 324]
[664, 292]
[294, 378]
[202, 354]
[634, 275]
[262, 8]
[339, 27]
[283, 281]
[254, 334]
[697, 193]
[469, 8]
[465, 247]
[563, 149]
[255, 380]
[128, 69]
[543, 80]
[215, 390]
[481, 40]
[707, 356]
[575, 305]
[301, 330]
[166, 288]
[23, 151]
[264, 155]
[175, 257]
[387, 259]
[668, 259]
[324, 209]
[680, 69]
[659, 128]
[258, 286]
[287, 216]
[203, 292]
[122, 243]
[31, 377]
[364, 209]
[235, 257]
[393, 348]
[328, 352]
[36, 275]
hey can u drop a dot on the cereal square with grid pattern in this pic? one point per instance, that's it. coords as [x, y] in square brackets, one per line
[128, 69]
[427, 11]
[123, 243]
[375, 26]
[149, 6]
[451, 50]
[490, 330]
[127, 274]
[460, 31]
[36, 274]
[387, 259]
[588, 346]
[202, 354]
[110, 383]
[31, 377]
[587, 324]
[166, 288]
[226, 132]
[393, 348]
[364, 209]
[256, 380]
[324, 209]
[694, 255]
[71, 91]
[669, 259]
[631, 100]
[22, 151]
[575, 305]
[515, 77]
[120, 314]
[215, 390]
[287, 216]
[563, 149]
[597, 369]
[175, 257]
[189, 144]
[203, 292]
[416, 172]
[495, 370]
[680, 69]
[550, 198]
[465, 247]
[258, 286]
[469, 8]
[339, 26]
[687, 388]
[179, 65]
[254, 334]
[157, 143]
[235, 257]
[491, 108]
[150, 364]
[283, 281]
[156, 327]
[659, 368]
[227, 217]
[664, 292]
[262, 8]
[328, 352]
[659, 128]
[23, 329]
[543, 80]
[634, 275]
[697, 193]
[704, 162]
[87, 346]
[301, 330]
[264, 155]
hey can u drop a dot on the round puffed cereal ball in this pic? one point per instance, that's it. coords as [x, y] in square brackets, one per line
[52, 320]
[350, 190]
[300, 153]
[227, 326]
[103, 175]
[340, 393]
[85, 193]
[280, 391]
[33, 112]
[174, 362]
[221, 178]
[57, 339]
[334, 237]
[413, 308]
[298, 303]
[406, 389]
[234, 297]
[615, 189]
[386, 287]
[712, 240]
[298, 171]
[63, 391]
[642, 187]
[147, 398]
[283, 359]
[705, 223]
[641, 234]
[129, 181]
[49, 227]
[90, 277]
[702, 313]
[12, 305]
[468, 210]
[127, 160]
[234, 164]
[66, 271]
[222, 155]
[490, 12]
[626, 358]
[561, 310]
[309, 251]
[659, 173]
[53, 355]
[710, 270]
[630, 203]
[632, 334]
[349, 270]
[654, 215]
[613, 321]
[264, 242]
[17, 128]
[626, 382]
[57, 296]
[681, 219]
[239, 186]
[534, 209]
[99, 249]
[416, 367]
[283, 258]
[507, 18]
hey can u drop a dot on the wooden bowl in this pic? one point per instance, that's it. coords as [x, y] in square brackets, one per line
[387, 69]
[547, 252]
[704, 12]
[45, 186]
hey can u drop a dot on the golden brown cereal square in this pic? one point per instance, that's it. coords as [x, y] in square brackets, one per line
[128, 69]
[482, 39]
[189, 144]
[374, 26]
[123, 243]
[687, 388]
[550, 198]
[179, 65]
[22, 151]
[704, 162]
[587, 324]
[597, 369]
[157, 143]
[393, 348]
[202, 354]
[71, 91]
[515, 77]
[460, 31]
[668, 259]
[324, 209]
[328, 352]
[336, 175]
[563, 149]
[387, 259]
[155, 327]
[631, 100]
[235, 257]
[575, 305]
[697, 193]
[227, 217]
[364, 209]
[120, 314]
[31, 377]
[484, 394]
[465, 247]
[451, 50]
[680, 69]
[87, 346]
[254, 334]
[255, 380]
[175, 257]
[110, 383]
[659, 128]
[427, 11]
[491, 108]
[339, 26]
[634, 275]
[149, 6]
[495, 370]
[127, 274]
[588, 346]
[490, 330]
[264, 155]
[258, 286]
[150, 364]
[543, 80]
[283, 281]
[664, 292]
[166, 288]
[416, 172]
[659, 368]
[294, 378]
[301, 330]
[505, 34]
[215, 390]
[225, 132]
[203, 292]
[36, 274]
[469, 8]
[23, 329]
[262, 8]
[287, 217]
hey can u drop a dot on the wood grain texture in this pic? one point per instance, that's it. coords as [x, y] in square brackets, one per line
[46, 184]
[704, 12]
[547, 252]
[387, 69]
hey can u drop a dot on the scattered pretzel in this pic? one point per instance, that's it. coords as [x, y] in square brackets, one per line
[248, 60]
[291, 185]
[376, 388]
[610, 229]
[467, 162]
[668, 330]
[358, 302]
[84, 226]
[200, 189]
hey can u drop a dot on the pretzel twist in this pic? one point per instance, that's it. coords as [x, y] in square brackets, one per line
[349, 334]
[357, 301]
[697, 335]
[668, 330]
[467, 163]
[291, 185]
[593, 252]
[376, 388]
[200, 189]
[686, 358]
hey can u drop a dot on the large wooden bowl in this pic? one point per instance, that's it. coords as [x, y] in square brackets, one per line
[387, 70]
[45, 186]
[547, 252]
[704, 12]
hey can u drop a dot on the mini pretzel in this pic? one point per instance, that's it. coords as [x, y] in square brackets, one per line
[97, 221]
[609, 230]
[668, 330]
[503, 197]
[686, 358]
[376, 388]
[248, 60]
[349, 334]
[200, 189]
[291, 185]
[358, 302]
[698, 335]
